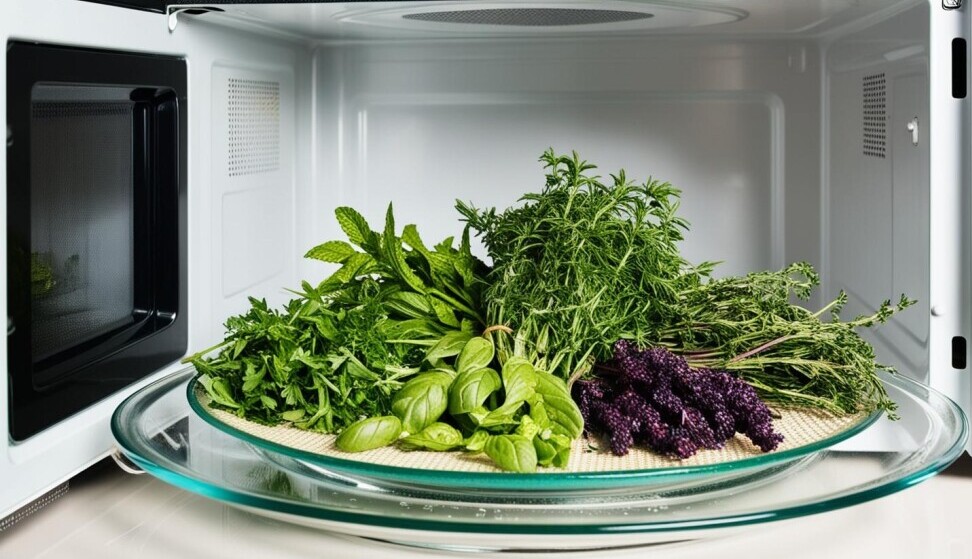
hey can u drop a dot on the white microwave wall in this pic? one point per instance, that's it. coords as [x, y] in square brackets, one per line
[295, 110]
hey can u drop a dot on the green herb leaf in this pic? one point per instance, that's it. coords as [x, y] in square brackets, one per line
[437, 436]
[355, 227]
[564, 415]
[476, 354]
[477, 441]
[331, 251]
[422, 400]
[370, 433]
[470, 390]
[519, 380]
[513, 453]
[449, 346]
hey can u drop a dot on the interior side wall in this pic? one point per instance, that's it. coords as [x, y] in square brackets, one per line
[876, 232]
[734, 124]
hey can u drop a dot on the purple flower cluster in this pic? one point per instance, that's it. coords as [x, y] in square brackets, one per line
[656, 400]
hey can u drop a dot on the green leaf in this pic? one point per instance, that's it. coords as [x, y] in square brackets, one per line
[354, 226]
[293, 415]
[268, 402]
[444, 313]
[331, 251]
[499, 419]
[370, 433]
[422, 400]
[519, 380]
[450, 345]
[352, 268]
[538, 412]
[439, 264]
[513, 453]
[554, 451]
[409, 304]
[253, 378]
[564, 415]
[437, 436]
[527, 428]
[470, 390]
[395, 256]
[219, 390]
[477, 353]
[477, 441]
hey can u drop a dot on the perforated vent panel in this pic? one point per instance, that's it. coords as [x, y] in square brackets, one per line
[253, 119]
[530, 17]
[875, 95]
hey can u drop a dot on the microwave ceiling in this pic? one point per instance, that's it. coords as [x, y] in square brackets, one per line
[353, 21]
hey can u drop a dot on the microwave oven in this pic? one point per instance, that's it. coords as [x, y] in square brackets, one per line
[835, 132]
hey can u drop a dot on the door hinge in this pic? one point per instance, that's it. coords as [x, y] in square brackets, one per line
[172, 13]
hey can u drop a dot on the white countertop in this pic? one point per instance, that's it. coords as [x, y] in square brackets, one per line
[109, 514]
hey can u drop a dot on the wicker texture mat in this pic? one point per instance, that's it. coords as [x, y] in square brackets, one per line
[799, 428]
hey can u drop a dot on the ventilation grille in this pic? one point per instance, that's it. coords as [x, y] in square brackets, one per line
[530, 17]
[875, 115]
[58, 109]
[253, 118]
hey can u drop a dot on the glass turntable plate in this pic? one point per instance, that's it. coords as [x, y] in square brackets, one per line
[156, 430]
[590, 469]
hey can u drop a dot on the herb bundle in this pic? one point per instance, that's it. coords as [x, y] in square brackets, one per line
[340, 350]
[520, 417]
[582, 264]
[652, 398]
[791, 355]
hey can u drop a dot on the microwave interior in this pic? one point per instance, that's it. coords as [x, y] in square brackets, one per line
[796, 130]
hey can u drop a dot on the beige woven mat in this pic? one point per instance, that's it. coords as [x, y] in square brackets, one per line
[799, 428]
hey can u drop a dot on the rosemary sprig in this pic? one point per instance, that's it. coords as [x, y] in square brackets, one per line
[581, 264]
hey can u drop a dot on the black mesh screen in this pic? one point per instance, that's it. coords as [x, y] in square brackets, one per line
[81, 221]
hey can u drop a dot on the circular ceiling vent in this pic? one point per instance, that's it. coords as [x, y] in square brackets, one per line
[536, 17]
[530, 17]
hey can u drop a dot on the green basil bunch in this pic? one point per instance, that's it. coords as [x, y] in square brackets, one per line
[520, 417]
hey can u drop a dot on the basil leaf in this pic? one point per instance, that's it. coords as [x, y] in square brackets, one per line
[437, 436]
[476, 354]
[545, 451]
[554, 451]
[422, 400]
[513, 453]
[503, 416]
[370, 433]
[527, 428]
[519, 380]
[470, 390]
[538, 412]
[450, 345]
[477, 441]
[565, 417]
